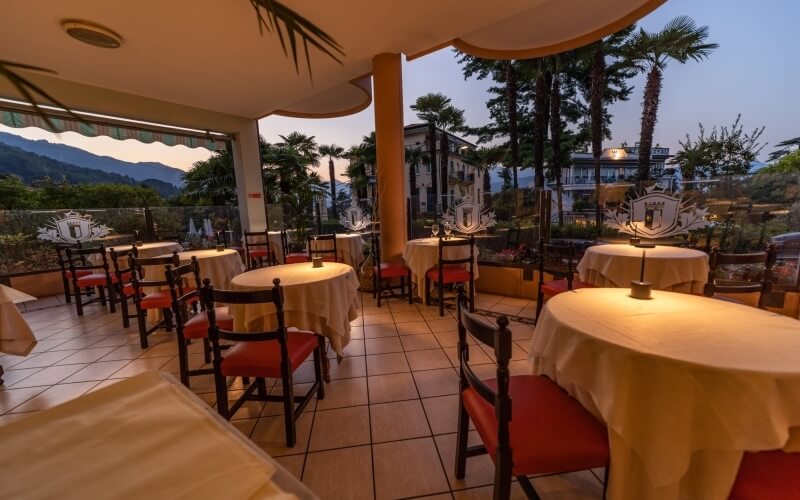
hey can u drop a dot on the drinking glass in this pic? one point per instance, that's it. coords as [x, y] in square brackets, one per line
[435, 230]
[447, 230]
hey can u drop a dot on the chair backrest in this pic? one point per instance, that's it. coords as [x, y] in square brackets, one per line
[457, 241]
[119, 269]
[558, 260]
[78, 259]
[180, 297]
[255, 239]
[285, 243]
[745, 273]
[498, 338]
[138, 277]
[375, 240]
[316, 250]
[210, 295]
[222, 238]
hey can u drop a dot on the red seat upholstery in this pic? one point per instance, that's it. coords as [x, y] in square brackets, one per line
[80, 273]
[160, 299]
[551, 288]
[392, 269]
[451, 274]
[329, 258]
[197, 326]
[128, 290]
[549, 431]
[95, 279]
[768, 475]
[263, 358]
[296, 258]
[258, 252]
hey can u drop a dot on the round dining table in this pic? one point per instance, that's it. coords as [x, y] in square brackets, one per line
[423, 253]
[145, 250]
[685, 384]
[323, 300]
[349, 248]
[667, 268]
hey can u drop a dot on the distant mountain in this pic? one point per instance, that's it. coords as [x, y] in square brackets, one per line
[67, 154]
[31, 167]
[524, 179]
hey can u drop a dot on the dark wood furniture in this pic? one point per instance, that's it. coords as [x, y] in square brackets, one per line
[387, 271]
[327, 254]
[123, 285]
[86, 275]
[558, 261]
[452, 270]
[156, 297]
[256, 249]
[66, 274]
[754, 273]
[262, 355]
[288, 256]
[527, 423]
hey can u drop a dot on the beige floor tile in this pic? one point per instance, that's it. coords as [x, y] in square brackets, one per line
[54, 396]
[356, 332]
[377, 331]
[476, 356]
[11, 377]
[419, 342]
[340, 428]
[506, 309]
[105, 383]
[514, 301]
[270, 435]
[345, 392]
[117, 340]
[441, 382]
[11, 398]
[46, 345]
[142, 365]
[443, 325]
[480, 469]
[127, 351]
[340, 474]
[486, 492]
[398, 307]
[378, 319]
[581, 485]
[293, 464]
[407, 317]
[383, 345]
[408, 468]
[168, 348]
[398, 420]
[354, 366]
[382, 364]
[43, 360]
[88, 355]
[249, 410]
[429, 359]
[442, 412]
[245, 426]
[413, 328]
[49, 376]
[447, 339]
[370, 309]
[353, 348]
[395, 387]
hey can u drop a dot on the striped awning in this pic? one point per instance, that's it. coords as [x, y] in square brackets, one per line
[18, 117]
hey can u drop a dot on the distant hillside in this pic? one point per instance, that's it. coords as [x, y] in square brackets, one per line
[78, 157]
[31, 167]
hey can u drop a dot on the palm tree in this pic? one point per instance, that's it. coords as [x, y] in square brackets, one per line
[485, 159]
[332, 151]
[513, 132]
[596, 112]
[414, 157]
[555, 132]
[304, 145]
[541, 90]
[212, 180]
[680, 40]
[437, 110]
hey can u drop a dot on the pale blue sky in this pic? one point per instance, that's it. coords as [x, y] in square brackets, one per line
[754, 72]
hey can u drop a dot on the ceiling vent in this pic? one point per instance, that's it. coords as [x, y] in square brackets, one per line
[92, 34]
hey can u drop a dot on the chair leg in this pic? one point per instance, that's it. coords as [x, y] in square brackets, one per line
[78, 297]
[183, 361]
[461, 440]
[410, 297]
[112, 298]
[427, 291]
[472, 296]
[288, 412]
[142, 322]
[67, 291]
[539, 301]
[222, 394]
[101, 291]
[441, 298]
[379, 289]
[261, 387]
[318, 353]
[605, 481]
[206, 350]
[527, 488]
[123, 305]
[167, 319]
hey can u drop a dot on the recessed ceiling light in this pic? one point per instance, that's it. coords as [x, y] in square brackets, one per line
[91, 33]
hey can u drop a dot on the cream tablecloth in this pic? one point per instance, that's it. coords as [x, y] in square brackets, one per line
[685, 384]
[423, 253]
[145, 437]
[16, 336]
[323, 300]
[668, 268]
[349, 248]
[146, 251]
[276, 245]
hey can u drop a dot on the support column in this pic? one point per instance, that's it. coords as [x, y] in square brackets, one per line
[390, 148]
[249, 182]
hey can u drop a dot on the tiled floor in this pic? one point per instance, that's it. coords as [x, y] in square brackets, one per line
[384, 430]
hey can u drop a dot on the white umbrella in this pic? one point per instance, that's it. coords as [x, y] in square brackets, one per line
[208, 228]
[192, 228]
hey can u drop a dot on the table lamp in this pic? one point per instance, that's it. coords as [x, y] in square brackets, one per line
[641, 289]
[137, 241]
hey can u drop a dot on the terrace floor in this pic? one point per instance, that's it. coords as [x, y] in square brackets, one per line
[386, 428]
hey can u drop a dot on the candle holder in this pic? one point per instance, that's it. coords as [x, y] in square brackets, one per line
[139, 243]
[635, 241]
[643, 245]
[220, 248]
[316, 262]
[642, 290]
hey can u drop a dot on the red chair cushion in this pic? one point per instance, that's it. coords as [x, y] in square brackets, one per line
[329, 258]
[128, 290]
[160, 299]
[79, 273]
[768, 475]
[549, 431]
[451, 274]
[263, 358]
[392, 269]
[258, 252]
[197, 326]
[95, 279]
[551, 288]
[296, 258]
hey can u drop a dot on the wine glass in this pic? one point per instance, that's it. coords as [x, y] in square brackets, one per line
[435, 230]
[448, 229]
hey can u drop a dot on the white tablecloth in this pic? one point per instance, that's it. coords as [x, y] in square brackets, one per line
[276, 245]
[323, 300]
[16, 336]
[685, 384]
[349, 248]
[668, 268]
[145, 437]
[423, 253]
[146, 251]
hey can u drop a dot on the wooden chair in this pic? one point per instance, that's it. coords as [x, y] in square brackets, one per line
[262, 355]
[66, 274]
[559, 261]
[256, 248]
[191, 327]
[155, 298]
[327, 254]
[452, 270]
[386, 271]
[99, 276]
[289, 257]
[124, 285]
[748, 282]
[766, 475]
[527, 423]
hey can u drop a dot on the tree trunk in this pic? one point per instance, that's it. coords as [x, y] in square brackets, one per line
[434, 172]
[539, 100]
[555, 140]
[511, 102]
[333, 187]
[652, 95]
[444, 178]
[596, 114]
[487, 189]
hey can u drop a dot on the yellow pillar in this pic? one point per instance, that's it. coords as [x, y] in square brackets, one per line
[389, 143]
